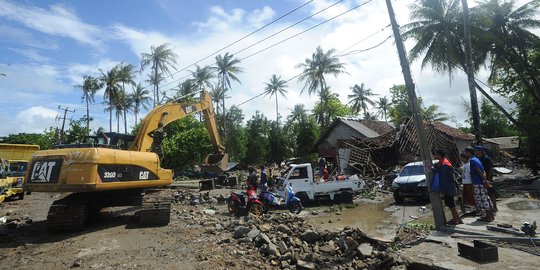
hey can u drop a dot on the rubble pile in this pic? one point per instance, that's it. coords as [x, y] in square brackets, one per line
[286, 241]
[186, 197]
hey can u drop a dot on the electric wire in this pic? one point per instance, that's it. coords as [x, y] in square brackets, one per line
[240, 39]
[253, 44]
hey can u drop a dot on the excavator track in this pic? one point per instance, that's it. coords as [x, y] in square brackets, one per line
[68, 214]
[155, 208]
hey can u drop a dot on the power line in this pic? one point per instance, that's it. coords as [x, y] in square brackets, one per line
[258, 42]
[240, 39]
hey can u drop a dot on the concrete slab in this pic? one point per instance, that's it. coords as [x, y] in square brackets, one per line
[441, 249]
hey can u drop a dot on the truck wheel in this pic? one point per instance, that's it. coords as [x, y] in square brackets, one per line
[397, 198]
[304, 198]
[346, 197]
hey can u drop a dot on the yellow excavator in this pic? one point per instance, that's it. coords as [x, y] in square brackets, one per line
[102, 174]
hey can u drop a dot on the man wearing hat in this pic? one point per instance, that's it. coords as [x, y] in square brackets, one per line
[488, 167]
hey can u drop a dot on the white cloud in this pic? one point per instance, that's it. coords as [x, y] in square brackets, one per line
[57, 21]
[260, 16]
[35, 79]
[34, 120]
[221, 20]
[31, 54]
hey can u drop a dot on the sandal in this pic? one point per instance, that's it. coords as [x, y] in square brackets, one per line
[452, 223]
[484, 219]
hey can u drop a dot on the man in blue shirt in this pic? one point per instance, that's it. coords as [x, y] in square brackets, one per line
[488, 168]
[479, 181]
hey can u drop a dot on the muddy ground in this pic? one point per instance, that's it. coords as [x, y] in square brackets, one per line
[197, 238]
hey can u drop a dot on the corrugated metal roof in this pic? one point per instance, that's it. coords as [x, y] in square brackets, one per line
[361, 128]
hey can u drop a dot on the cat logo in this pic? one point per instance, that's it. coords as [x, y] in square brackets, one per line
[189, 109]
[42, 171]
[144, 175]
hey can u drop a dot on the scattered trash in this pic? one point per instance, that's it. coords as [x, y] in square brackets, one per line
[3, 220]
[502, 170]
[413, 217]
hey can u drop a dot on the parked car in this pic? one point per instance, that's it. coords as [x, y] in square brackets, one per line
[411, 183]
[308, 189]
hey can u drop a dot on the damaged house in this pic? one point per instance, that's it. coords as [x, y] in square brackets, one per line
[373, 147]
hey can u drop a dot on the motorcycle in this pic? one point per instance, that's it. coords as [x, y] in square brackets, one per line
[240, 202]
[272, 200]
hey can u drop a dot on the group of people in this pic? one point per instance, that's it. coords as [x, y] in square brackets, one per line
[253, 182]
[477, 175]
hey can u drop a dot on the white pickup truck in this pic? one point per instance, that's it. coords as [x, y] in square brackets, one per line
[307, 188]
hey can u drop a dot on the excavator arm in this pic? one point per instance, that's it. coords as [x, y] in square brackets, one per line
[162, 115]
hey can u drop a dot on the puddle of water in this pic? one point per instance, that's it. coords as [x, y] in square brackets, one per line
[524, 205]
[371, 218]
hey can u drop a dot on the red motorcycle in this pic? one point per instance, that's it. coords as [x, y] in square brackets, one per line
[240, 202]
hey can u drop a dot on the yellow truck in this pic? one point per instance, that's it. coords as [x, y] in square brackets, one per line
[15, 159]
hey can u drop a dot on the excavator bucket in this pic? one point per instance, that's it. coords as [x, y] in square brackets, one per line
[215, 163]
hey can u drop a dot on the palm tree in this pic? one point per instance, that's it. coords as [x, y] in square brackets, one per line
[123, 104]
[314, 70]
[183, 89]
[511, 40]
[432, 113]
[160, 59]
[297, 113]
[202, 77]
[437, 29]
[110, 81]
[227, 68]
[274, 87]
[360, 98]
[218, 95]
[140, 98]
[89, 88]
[126, 74]
[383, 106]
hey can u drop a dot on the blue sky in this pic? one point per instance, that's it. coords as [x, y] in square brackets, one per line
[47, 46]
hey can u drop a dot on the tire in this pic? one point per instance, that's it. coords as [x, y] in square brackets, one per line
[256, 209]
[303, 197]
[231, 206]
[295, 207]
[346, 197]
[20, 196]
[398, 199]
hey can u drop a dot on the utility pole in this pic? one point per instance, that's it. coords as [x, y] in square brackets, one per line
[435, 198]
[66, 110]
[470, 75]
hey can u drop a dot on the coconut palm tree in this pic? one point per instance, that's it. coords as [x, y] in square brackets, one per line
[274, 87]
[202, 77]
[126, 75]
[89, 88]
[110, 80]
[227, 68]
[383, 106]
[360, 98]
[160, 59]
[140, 98]
[511, 40]
[314, 70]
[218, 95]
[183, 89]
[432, 113]
[437, 29]
[123, 104]
[297, 113]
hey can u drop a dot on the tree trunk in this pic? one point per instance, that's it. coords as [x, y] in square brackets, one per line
[118, 123]
[125, 121]
[87, 118]
[470, 76]
[277, 112]
[110, 119]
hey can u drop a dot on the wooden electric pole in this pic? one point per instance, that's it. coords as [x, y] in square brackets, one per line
[66, 110]
[435, 198]
[470, 73]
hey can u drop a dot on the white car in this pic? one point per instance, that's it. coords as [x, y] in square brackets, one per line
[411, 183]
